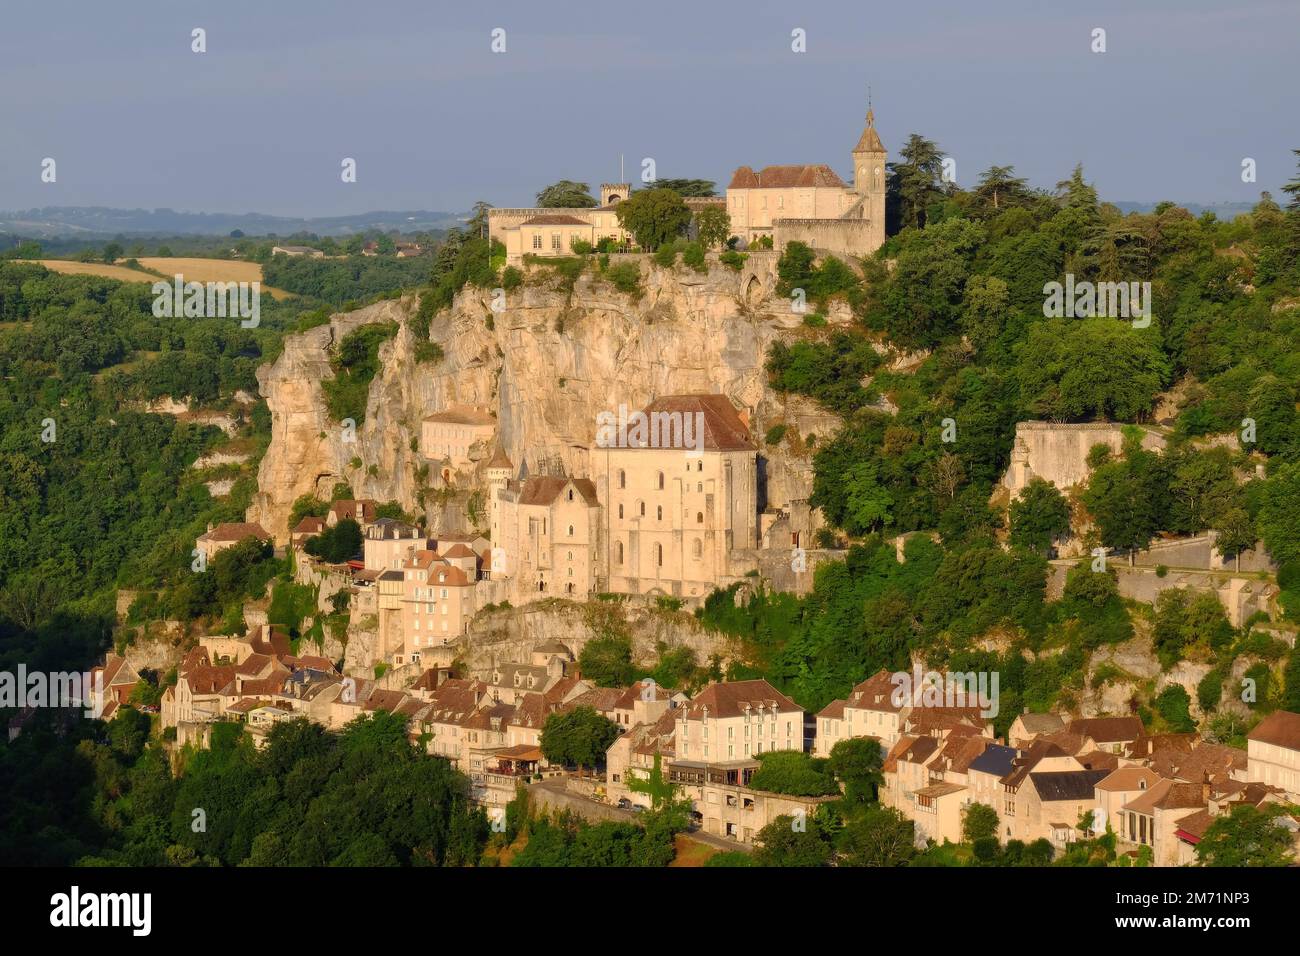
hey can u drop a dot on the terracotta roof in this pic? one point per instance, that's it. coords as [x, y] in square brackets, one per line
[544, 489]
[531, 711]
[360, 510]
[1280, 728]
[724, 430]
[634, 693]
[730, 699]
[500, 459]
[309, 525]
[459, 550]
[1130, 778]
[211, 679]
[1108, 730]
[935, 790]
[875, 693]
[782, 177]
[236, 531]
[1168, 795]
[389, 700]
[834, 710]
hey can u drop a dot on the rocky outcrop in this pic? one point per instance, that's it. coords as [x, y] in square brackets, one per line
[545, 366]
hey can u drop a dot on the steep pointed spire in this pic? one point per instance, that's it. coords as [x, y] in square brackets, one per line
[870, 142]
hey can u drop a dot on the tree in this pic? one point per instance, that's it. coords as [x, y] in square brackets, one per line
[580, 737]
[985, 310]
[1279, 514]
[914, 180]
[879, 837]
[1074, 370]
[654, 217]
[607, 660]
[978, 822]
[793, 772]
[856, 763]
[1039, 515]
[714, 226]
[998, 188]
[780, 843]
[1126, 499]
[1292, 188]
[1248, 836]
[688, 187]
[566, 194]
[337, 544]
[112, 252]
[869, 503]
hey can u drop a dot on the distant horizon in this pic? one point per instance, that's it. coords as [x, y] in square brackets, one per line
[135, 119]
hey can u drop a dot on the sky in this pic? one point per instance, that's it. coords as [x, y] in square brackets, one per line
[412, 90]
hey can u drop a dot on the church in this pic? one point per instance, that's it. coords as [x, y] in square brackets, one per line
[812, 204]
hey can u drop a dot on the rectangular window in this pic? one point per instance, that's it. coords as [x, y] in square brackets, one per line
[555, 241]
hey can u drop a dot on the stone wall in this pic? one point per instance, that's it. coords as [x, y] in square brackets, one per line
[840, 237]
[1058, 453]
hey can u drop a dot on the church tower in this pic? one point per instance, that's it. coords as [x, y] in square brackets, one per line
[869, 177]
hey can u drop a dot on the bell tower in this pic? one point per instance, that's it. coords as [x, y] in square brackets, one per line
[869, 176]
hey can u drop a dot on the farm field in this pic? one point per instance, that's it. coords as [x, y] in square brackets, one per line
[193, 269]
[210, 270]
[121, 273]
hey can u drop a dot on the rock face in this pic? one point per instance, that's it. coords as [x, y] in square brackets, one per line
[511, 635]
[545, 366]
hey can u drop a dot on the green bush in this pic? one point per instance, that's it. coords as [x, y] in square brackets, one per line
[775, 434]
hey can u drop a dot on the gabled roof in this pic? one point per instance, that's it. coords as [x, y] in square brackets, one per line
[783, 177]
[724, 430]
[1108, 730]
[236, 531]
[875, 693]
[1280, 729]
[1041, 723]
[735, 698]
[544, 489]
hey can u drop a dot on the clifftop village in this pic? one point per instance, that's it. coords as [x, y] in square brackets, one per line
[676, 520]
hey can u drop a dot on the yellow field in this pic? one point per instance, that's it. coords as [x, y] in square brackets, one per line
[120, 273]
[210, 270]
[194, 270]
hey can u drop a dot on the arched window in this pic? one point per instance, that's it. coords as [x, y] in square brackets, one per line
[699, 486]
[659, 555]
[659, 513]
[699, 517]
[661, 481]
[570, 531]
[570, 494]
[697, 548]
[618, 552]
[699, 465]
[643, 509]
[622, 478]
[620, 511]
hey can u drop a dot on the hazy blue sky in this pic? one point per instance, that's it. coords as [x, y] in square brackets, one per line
[435, 120]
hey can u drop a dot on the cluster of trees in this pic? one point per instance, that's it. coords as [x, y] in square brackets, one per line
[365, 796]
[352, 279]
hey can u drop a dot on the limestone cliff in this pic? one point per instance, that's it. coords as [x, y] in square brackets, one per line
[545, 366]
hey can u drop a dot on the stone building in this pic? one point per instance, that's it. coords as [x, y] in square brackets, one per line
[549, 233]
[811, 204]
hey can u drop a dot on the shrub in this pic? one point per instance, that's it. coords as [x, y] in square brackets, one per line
[733, 260]
[511, 278]
[775, 434]
[693, 256]
[626, 278]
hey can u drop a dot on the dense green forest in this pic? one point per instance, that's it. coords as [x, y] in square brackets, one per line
[967, 286]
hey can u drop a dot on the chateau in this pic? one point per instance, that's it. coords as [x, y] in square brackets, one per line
[807, 203]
